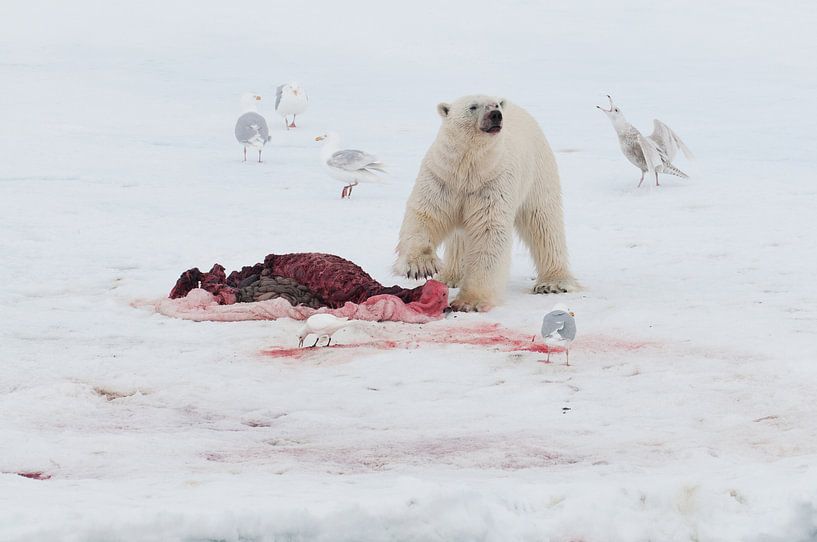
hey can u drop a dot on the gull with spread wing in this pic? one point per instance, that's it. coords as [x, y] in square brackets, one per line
[653, 153]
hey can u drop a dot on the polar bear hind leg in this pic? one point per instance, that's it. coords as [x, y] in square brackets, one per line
[540, 228]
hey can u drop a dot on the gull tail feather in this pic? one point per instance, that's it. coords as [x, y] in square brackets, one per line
[672, 170]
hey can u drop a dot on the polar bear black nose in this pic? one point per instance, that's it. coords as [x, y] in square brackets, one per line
[495, 115]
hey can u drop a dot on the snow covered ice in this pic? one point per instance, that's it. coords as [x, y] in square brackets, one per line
[687, 412]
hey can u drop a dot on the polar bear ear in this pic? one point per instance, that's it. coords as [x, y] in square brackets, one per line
[502, 103]
[443, 109]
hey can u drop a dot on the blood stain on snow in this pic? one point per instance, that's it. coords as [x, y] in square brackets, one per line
[34, 475]
[487, 335]
[495, 335]
[300, 353]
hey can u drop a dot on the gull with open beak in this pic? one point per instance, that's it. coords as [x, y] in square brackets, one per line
[654, 153]
[559, 329]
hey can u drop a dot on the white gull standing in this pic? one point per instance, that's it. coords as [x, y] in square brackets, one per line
[322, 325]
[349, 166]
[653, 153]
[559, 329]
[251, 128]
[290, 99]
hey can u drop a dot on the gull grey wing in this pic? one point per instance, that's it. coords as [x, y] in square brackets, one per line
[251, 125]
[569, 331]
[553, 322]
[559, 322]
[353, 160]
[669, 140]
[279, 91]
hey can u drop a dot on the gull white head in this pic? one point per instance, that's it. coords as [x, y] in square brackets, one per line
[562, 307]
[250, 101]
[294, 88]
[614, 114]
[302, 335]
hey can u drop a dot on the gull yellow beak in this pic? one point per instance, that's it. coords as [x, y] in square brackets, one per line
[319, 138]
[258, 98]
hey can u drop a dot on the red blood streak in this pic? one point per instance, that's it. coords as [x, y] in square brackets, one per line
[298, 353]
[486, 335]
[492, 335]
[34, 475]
[495, 335]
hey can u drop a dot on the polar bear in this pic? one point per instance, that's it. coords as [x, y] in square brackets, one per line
[489, 170]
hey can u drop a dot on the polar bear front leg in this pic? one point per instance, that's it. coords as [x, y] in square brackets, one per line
[487, 262]
[420, 235]
[454, 260]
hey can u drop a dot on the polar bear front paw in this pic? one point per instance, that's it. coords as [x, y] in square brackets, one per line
[461, 305]
[424, 265]
[557, 286]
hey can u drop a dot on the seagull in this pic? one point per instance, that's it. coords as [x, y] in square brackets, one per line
[251, 128]
[559, 329]
[290, 99]
[653, 153]
[322, 325]
[349, 166]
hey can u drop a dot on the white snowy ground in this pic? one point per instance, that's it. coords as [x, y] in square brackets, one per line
[119, 170]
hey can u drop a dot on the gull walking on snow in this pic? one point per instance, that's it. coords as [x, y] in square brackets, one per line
[322, 325]
[348, 166]
[559, 329]
[251, 128]
[290, 99]
[653, 153]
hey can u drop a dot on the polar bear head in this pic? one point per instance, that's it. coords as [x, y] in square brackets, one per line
[481, 115]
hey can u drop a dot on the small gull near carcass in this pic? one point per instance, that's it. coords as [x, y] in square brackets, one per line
[322, 325]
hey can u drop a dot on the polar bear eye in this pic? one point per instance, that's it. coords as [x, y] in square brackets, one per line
[473, 108]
